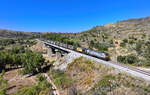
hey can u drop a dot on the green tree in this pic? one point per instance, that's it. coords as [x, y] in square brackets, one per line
[121, 59]
[131, 42]
[139, 46]
[123, 44]
[131, 59]
[92, 43]
[32, 62]
[125, 40]
[147, 55]
[103, 48]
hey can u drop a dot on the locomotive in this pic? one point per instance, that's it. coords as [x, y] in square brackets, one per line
[98, 54]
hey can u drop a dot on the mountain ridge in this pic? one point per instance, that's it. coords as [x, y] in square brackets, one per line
[10, 34]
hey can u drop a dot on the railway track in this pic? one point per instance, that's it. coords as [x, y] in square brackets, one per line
[132, 68]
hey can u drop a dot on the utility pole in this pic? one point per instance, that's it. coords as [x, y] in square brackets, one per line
[115, 54]
[114, 46]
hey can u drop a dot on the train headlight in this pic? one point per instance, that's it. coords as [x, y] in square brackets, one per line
[103, 54]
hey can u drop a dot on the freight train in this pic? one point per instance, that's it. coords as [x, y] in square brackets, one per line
[98, 54]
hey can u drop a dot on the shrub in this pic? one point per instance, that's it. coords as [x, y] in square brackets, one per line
[129, 59]
[103, 48]
[125, 40]
[40, 77]
[17, 50]
[147, 56]
[2, 48]
[32, 62]
[92, 43]
[107, 84]
[33, 90]
[105, 81]
[61, 79]
[88, 80]
[7, 42]
[131, 42]
[121, 59]
[123, 44]
[42, 88]
[3, 84]
[139, 46]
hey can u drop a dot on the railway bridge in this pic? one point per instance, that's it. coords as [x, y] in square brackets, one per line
[60, 51]
[53, 49]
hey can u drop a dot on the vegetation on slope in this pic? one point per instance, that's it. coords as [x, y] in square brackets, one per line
[129, 37]
[43, 87]
[58, 37]
[15, 54]
[19, 56]
[3, 84]
[9, 34]
[90, 78]
[141, 58]
[61, 79]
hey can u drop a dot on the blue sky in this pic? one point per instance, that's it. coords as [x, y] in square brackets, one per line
[67, 15]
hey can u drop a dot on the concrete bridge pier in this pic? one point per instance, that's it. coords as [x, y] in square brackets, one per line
[58, 55]
[44, 46]
[49, 53]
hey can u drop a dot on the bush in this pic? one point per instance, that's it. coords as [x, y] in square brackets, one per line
[2, 48]
[105, 85]
[131, 42]
[105, 81]
[3, 84]
[129, 59]
[42, 88]
[33, 90]
[7, 42]
[40, 77]
[147, 56]
[32, 62]
[125, 40]
[123, 44]
[121, 59]
[92, 43]
[61, 79]
[103, 48]
[17, 50]
[139, 46]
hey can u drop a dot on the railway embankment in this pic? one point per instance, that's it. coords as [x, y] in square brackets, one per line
[86, 77]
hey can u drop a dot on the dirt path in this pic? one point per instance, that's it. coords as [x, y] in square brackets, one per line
[55, 90]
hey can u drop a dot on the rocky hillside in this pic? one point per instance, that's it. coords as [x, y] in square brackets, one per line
[132, 28]
[126, 29]
[130, 36]
[86, 77]
[4, 34]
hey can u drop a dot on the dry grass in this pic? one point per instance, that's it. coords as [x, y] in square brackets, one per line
[86, 74]
[16, 81]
